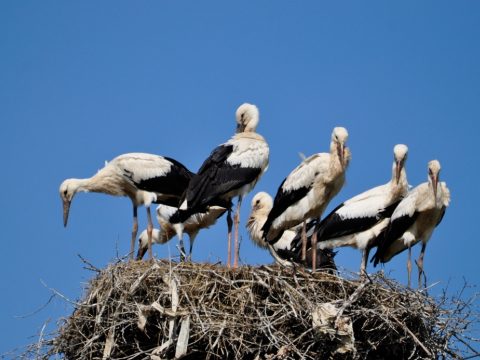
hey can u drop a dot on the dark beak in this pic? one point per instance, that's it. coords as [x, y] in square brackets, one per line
[66, 209]
[341, 153]
[398, 170]
[240, 128]
[435, 185]
[141, 252]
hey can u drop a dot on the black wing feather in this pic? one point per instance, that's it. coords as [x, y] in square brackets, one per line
[332, 226]
[297, 240]
[217, 156]
[283, 200]
[441, 216]
[172, 185]
[392, 232]
[216, 178]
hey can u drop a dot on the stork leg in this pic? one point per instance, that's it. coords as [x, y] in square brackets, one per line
[192, 239]
[314, 251]
[304, 241]
[409, 265]
[236, 222]
[149, 233]
[179, 231]
[363, 265]
[229, 246]
[420, 266]
[134, 231]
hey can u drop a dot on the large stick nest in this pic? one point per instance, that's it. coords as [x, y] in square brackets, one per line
[164, 310]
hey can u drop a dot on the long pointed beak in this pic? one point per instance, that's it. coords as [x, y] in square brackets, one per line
[341, 153]
[398, 170]
[240, 128]
[66, 209]
[141, 252]
[435, 185]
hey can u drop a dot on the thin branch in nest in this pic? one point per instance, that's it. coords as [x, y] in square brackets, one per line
[37, 310]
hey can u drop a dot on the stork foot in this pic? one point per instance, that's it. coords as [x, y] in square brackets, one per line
[183, 255]
[421, 274]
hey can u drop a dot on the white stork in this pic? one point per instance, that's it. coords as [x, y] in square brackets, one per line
[144, 178]
[358, 221]
[283, 251]
[192, 226]
[231, 170]
[307, 190]
[414, 220]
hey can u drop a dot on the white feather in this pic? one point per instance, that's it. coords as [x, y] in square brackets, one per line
[364, 207]
[304, 174]
[249, 151]
[407, 206]
[142, 166]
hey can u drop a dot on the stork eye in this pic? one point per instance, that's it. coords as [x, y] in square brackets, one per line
[65, 192]
[257, 202]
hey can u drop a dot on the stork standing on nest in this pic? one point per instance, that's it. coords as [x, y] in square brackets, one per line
[414, 220]
[307, 190]
[144, 178]
[192, 226]
[283, 250]
[231, 170]
[358, 221]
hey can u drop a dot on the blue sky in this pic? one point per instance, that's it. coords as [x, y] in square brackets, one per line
[83, 82]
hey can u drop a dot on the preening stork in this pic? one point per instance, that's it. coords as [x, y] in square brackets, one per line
[358, 221]
[192, 226]
[231, 170]
[414, 220]
[283, 251]
[307, 190]
[144, 178]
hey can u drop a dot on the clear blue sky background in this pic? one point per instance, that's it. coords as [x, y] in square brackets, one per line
[82, 82]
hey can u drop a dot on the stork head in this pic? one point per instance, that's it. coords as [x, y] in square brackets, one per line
[247, 116]
[67, 190]
[261, 205]
[339, 140]
[262, 201]
[433, 175]
[143, 242]
[400, 152]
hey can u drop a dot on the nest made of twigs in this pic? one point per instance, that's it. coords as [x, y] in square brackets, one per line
[165, 310]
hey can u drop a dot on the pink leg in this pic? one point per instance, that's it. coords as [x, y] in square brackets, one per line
[314, 251]
[134, 232]
[304, 241]
[420, 266]
[149, 232]
[409, 266]
[363, 266]
[236, 222]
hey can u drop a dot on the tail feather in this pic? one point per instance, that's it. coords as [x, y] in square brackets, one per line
[180, 216]
[379, 255]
